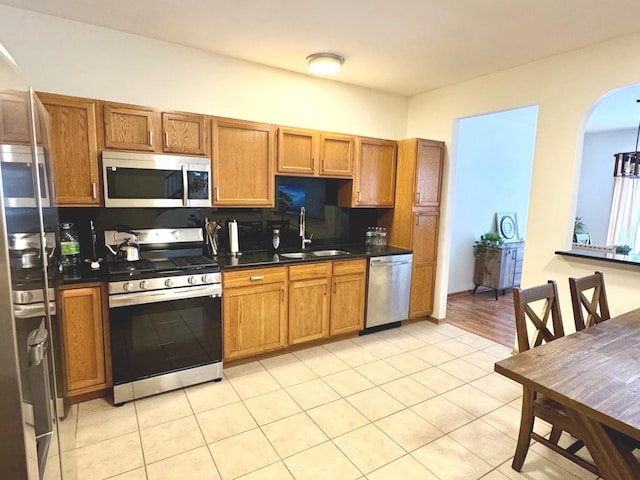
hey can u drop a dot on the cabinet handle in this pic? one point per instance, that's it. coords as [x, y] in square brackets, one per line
[94, 190]
[151, 137]
[417, 219]
[334, 287]
[166, 139]
[325, 289]
[313, 163]
[324, 165]
[257, 277]
[282, 290]
[358, 200]
[217, 193]
[418, 197]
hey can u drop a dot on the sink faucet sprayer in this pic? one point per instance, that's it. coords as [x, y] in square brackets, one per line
[303, 228]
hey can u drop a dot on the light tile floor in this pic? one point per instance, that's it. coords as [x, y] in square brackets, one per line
[416, 402]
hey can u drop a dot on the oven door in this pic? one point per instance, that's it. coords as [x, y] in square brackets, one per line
[16, 166]
[155, 345]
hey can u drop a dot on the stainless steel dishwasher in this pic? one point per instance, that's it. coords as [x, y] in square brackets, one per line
[388, 291]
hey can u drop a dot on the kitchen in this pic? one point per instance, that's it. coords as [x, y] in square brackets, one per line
[385, 116]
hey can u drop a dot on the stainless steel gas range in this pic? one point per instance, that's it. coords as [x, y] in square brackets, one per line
[165, 313]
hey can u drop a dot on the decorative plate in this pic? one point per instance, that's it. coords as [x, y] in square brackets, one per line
[507, 227]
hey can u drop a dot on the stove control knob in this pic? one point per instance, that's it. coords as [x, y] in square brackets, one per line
[144, 284]
[206, 278]
[192, 280]
[168, 283]
[128, 286]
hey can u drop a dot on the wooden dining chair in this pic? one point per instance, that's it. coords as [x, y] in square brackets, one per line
[539, 308]
[596, 307]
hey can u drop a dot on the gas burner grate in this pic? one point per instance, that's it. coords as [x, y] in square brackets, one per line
[193, 262]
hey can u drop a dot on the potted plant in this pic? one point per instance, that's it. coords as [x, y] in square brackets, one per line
[578, 227]
[623, 249]
[488, 245]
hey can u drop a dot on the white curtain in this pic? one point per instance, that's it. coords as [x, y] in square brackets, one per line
[625, 211]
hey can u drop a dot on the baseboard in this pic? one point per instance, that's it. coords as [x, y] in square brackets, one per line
[459, 294]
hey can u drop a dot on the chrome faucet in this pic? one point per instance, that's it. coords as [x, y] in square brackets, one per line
[303, 228]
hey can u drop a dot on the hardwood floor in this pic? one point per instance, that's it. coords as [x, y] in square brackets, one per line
[483, 315]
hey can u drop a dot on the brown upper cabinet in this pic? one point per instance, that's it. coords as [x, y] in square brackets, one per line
[183, 133]
[375, 178]
[311, 153]
[74, 142]
[15, 123]
[130, 127]
[428, 172]
[243, 163]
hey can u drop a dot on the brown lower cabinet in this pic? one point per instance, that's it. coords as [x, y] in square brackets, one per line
[268, 308]
[85, 338]
[254, 310]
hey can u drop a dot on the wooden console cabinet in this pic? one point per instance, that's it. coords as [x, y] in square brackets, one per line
[500, 270]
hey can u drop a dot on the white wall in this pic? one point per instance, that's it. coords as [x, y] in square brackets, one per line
[596, 178]
[71, 58]
[494, 157]
[566, 88]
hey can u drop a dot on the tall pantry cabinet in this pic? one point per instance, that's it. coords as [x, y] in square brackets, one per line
[414, 221]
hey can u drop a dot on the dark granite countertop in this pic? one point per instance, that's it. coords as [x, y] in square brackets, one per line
[266, 258]
[631, 259]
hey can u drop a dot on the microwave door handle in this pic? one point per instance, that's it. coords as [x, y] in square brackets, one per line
[185, 186]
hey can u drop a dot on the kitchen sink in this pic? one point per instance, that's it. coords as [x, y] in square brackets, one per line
[329, 253]
[295, 255]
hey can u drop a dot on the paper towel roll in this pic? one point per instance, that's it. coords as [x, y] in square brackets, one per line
[233, 237]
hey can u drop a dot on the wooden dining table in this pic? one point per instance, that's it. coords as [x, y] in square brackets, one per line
[595, 375]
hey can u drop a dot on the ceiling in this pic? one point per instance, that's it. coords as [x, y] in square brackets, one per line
[403, 47]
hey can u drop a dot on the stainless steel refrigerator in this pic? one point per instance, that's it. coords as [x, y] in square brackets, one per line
[31, 392]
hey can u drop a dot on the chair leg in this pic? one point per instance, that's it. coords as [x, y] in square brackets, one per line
[526, 427]
[555, 435]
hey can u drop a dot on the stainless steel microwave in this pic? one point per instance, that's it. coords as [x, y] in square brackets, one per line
[149, 180]
[18, 181]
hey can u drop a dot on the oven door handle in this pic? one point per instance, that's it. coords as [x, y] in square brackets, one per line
[140, 298]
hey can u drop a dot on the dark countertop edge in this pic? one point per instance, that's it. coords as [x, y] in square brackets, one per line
[633, 260]
[266, 258]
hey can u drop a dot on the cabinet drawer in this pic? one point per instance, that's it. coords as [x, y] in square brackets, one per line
[254, 276]
[344, 267]
[309, 270]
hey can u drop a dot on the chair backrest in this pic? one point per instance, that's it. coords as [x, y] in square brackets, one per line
[523, 300]
[596, 307]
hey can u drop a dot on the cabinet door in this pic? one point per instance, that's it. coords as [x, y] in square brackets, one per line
[308, 310]
[129, 128]
[184, 133]
[428, 173]
[83, 337]
[376, 173]
[243, 164]
[347, 303]
[254, 319]
[297, 151]
[336, 155]
[424, 244]
[508, 267]
[15, 122]
[75, 149]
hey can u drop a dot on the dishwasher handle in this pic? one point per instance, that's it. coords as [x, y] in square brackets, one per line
[388, 264]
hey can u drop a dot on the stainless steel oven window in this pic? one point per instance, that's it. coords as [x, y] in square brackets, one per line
[154, 339]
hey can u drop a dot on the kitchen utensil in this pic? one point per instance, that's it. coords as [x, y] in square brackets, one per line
[212, 228]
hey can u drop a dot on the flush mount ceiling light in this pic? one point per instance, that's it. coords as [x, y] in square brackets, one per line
[325, 63]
